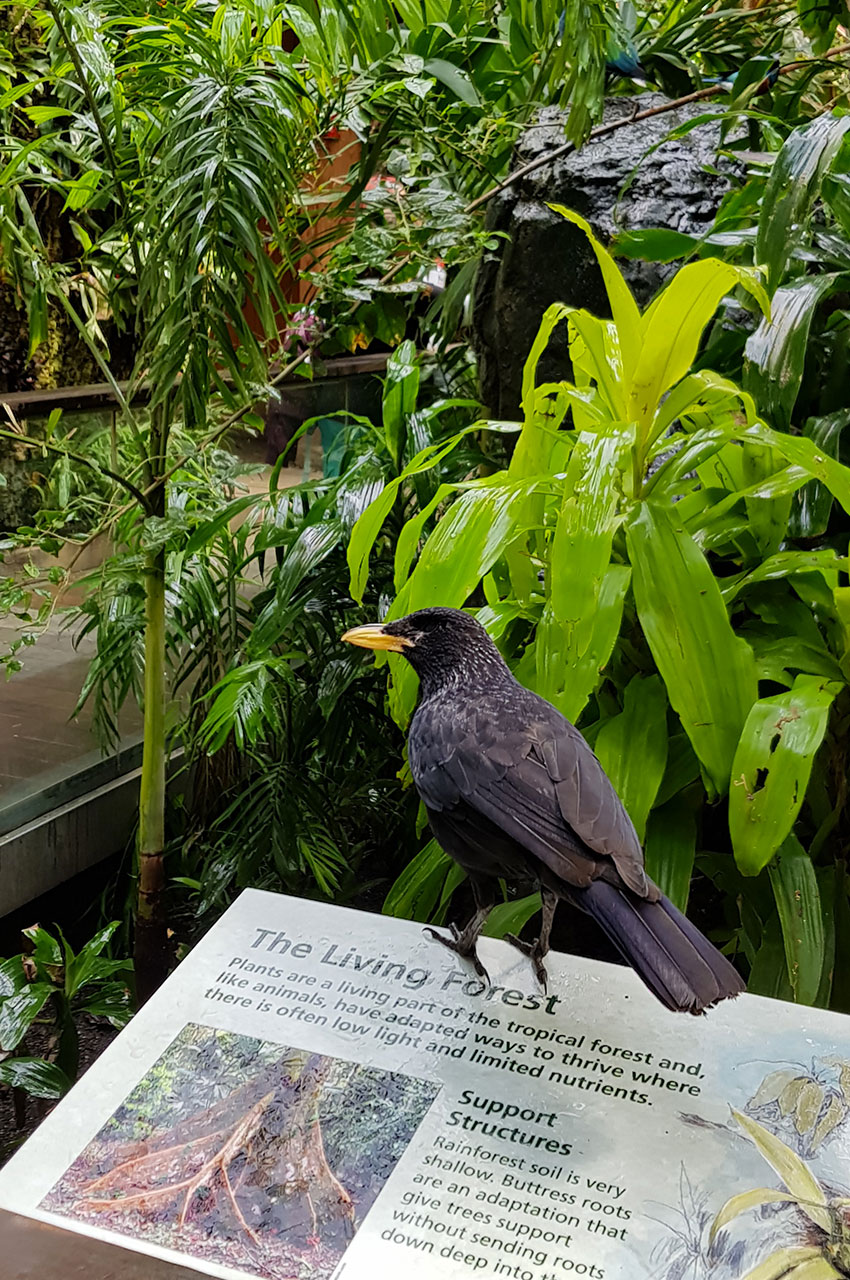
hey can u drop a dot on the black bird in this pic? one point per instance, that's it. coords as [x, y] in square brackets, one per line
[513, 790]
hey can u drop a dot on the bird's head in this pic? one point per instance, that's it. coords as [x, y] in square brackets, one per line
[442, 645]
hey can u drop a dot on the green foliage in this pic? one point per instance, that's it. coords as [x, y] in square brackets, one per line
[49, 978]
[658, 514]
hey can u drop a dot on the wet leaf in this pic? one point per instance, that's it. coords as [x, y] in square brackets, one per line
[38, 1078]
[671, 835]
[709, 672]
[793, 185]
[18, 1012]
[776, 352]
[795, 888]
[632, 747]
[772, 766]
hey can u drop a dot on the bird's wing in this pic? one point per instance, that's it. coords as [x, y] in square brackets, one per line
[528, 770]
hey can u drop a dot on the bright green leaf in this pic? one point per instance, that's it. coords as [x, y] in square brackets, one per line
[709, 671]
[771, 769]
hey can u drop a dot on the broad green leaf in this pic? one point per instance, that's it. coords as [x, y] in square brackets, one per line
[708, 671]
[12, 977]
[804, 453]
[511, 917]
[811, 505]
[482, 522]
[672, 327]
[793, 186]
[587, 521]
[597, 363]
[46, 950]
[112, 1002]
[769, 971]
[782, 565]
[798, 902]
[534, 446]
[632, 747]
[682, 768]
[776, 352]
[624, 309]
[401, 387]
[36, 1077]
[653, 244]
[82, 190]
[564, 677]
[416, 892]
[768, 517]
[671, 835]
[772, 765]
[368, 526]
[708, 392]
[410, 535]
[455, 79]
[796, 1175]
[579, 563]
[744, 1202]
[18, 1012]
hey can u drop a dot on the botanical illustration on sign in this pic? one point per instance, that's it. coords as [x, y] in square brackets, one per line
[251, 1155]
[796, 1225]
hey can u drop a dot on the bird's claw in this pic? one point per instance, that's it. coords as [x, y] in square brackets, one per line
[460, 947]
[535, 954]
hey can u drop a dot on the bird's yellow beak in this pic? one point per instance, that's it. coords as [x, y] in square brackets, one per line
[373, 636]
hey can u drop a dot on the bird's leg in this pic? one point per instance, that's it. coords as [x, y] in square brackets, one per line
[464, 941]
[539, 948]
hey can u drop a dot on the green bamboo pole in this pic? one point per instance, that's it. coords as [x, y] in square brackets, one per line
[151, 949]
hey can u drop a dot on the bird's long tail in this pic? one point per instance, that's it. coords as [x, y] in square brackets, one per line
[676, 962]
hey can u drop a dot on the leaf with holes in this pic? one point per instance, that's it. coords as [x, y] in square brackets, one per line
[772, 765]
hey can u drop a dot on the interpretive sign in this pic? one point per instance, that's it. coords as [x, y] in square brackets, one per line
[318, 1092]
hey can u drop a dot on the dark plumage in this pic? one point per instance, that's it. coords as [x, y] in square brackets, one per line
[513, 790]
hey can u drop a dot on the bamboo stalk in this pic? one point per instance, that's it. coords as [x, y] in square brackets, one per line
[151, 952]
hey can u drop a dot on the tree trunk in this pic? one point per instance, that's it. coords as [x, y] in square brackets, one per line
[151, 942]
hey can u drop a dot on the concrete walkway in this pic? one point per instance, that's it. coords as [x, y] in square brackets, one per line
[39, 740]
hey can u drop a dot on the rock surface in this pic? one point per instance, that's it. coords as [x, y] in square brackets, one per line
[616, 185]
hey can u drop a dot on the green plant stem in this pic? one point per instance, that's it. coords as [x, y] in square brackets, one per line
[151, 952]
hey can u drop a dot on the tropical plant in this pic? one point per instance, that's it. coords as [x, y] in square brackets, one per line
[291, 728]
[633, 562]
[154, 192]
[826, 1216]
[289, 771]
[50, 985]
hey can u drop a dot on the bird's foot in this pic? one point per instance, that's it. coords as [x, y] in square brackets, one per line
[536, 955]
[462, 945]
